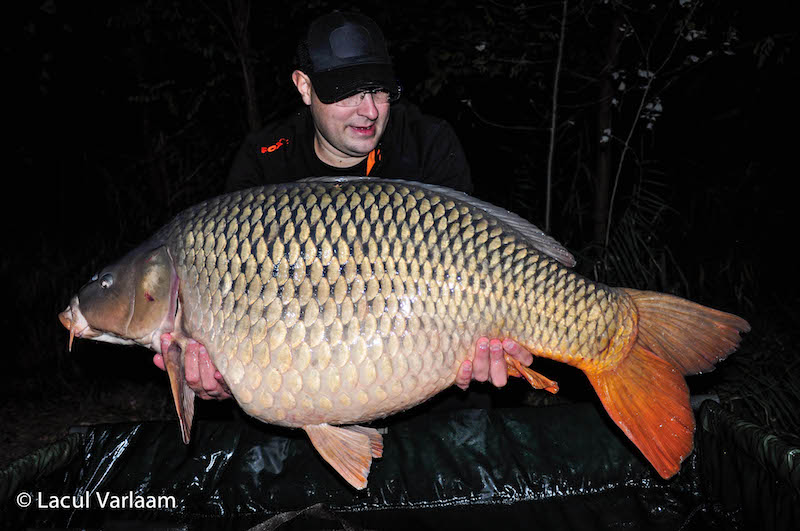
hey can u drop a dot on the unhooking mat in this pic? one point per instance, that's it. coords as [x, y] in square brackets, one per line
[559, 467]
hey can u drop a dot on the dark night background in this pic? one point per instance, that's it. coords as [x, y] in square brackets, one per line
[122, 113]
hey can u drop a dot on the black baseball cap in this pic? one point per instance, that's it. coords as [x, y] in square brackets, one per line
[345, 53]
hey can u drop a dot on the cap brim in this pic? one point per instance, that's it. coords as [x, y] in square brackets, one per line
[335, 85]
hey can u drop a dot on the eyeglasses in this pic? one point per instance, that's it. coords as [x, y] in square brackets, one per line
[379, 96]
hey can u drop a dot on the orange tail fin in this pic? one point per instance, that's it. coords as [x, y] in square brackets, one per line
[690, 336]
[645, 393]
[648, 398]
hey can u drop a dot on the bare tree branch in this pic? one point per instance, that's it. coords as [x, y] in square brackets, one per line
[553, 118]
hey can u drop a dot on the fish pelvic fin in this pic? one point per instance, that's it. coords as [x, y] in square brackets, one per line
[182, 394]
[648, 399]
[688, 335]
[349, 450]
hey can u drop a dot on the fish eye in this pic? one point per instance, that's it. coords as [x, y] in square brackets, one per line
[107, 280]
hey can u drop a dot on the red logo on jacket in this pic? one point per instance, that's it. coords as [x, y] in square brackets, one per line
[276, 145]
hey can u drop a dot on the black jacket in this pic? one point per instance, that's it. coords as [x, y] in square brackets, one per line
[415, 147]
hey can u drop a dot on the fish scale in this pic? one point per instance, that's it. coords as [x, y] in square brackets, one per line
[341, 300]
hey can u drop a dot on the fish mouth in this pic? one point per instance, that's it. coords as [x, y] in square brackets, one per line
[74, 321]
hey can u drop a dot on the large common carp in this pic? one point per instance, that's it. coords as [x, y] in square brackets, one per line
[332, 302]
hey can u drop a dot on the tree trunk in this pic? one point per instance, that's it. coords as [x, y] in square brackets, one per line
[240, 15]
[605, 156]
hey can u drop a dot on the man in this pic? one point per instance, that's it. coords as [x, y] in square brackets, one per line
[345, 79]
[352, 124]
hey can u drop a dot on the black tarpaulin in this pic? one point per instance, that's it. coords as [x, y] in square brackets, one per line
[559, 467]
[751, 474]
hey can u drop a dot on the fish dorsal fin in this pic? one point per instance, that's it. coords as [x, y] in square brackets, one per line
[348, 450]
[537, 237]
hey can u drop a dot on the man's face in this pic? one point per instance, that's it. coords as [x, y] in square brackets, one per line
[345, 135]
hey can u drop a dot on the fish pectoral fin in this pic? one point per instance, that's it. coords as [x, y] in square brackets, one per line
[537, 381]
[182, 394]
[349, 450]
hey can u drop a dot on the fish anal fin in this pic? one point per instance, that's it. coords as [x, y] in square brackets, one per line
[349, 450]
[648, 399]
[182, 394]
[537, 381]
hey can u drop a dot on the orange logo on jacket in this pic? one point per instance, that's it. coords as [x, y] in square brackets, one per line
[276, 145]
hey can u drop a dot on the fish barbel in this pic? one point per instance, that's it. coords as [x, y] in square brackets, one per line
[332, 302]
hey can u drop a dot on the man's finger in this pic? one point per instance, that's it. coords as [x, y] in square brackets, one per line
[207, 371]
[498, 371]
[224, 385]
[518, 352]
[480, 363]
[464, 375]
[190, 367]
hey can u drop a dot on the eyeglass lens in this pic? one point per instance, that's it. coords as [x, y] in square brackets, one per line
[378, 97]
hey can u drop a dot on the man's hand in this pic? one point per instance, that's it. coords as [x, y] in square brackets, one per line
[489, 363]
[201, 373]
